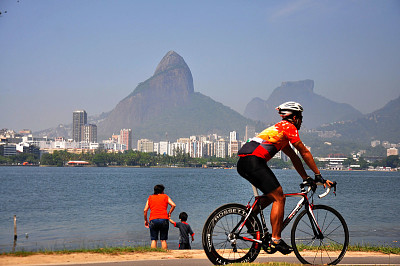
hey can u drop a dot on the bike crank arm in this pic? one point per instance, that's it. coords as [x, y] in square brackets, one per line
[249, 239]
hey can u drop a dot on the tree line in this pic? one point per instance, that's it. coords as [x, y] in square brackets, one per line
[127, 158]
[144, 159]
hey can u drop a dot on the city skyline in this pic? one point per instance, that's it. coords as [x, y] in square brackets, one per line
[55, 61]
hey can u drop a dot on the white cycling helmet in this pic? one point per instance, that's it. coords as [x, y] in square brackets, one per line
[288, 108]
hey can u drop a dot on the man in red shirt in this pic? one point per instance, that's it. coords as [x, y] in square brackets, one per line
[259, 150]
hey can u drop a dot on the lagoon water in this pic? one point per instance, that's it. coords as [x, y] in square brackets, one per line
[69, 208]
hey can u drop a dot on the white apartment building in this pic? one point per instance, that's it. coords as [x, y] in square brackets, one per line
[232, 136]
[196, 149]
[185, 141]
[145, 145]
[178, 146]
[220, 148]
[209, 148]
[164, 148]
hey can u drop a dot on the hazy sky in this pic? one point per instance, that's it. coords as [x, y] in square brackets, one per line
[58, 56]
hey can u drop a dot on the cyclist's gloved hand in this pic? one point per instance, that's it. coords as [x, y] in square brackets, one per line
[311, 182]
[319, 178]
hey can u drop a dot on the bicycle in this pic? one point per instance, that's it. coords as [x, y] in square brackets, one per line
[234, 234]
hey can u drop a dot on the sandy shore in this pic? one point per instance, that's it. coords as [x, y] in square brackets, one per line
[95, 257]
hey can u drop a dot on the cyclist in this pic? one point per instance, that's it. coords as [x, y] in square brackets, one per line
[258, 150]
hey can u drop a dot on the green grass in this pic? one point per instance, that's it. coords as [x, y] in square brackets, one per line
[368, 248]
[121, 250]
[357, 247]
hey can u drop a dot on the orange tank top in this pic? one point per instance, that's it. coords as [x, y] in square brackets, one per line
[158, 206]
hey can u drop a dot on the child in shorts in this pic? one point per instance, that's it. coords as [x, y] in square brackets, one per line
[184, 231]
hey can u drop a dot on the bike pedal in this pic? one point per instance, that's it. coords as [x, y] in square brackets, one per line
[268, 249]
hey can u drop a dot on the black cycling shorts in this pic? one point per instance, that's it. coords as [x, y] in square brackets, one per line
[257, 172]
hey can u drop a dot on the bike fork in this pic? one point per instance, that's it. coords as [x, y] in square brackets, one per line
[314, 224]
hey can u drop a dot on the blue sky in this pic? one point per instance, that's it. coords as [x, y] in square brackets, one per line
[59, 56]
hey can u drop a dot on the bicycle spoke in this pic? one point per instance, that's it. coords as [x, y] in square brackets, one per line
[222, 242]
[328, 249]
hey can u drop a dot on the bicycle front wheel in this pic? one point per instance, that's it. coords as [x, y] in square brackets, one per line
[221, 241]
[326, 249]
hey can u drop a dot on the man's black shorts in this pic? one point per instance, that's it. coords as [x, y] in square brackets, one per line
[257, 172]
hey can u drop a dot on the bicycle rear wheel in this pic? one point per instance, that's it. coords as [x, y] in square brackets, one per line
[330, 248]
[221, 244]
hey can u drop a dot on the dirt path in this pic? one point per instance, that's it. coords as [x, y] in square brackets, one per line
[95, 257]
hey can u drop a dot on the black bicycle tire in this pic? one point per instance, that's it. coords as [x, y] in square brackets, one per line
[219, 256]
[334, 214]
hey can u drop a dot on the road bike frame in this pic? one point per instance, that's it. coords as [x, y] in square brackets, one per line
[302, 202]
[235, 233]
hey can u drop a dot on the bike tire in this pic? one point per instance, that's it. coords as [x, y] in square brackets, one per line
[328, 250]
[219, 225]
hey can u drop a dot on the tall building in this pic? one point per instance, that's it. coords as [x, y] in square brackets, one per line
[220, 148]
[232, 136]
[126, 138]
[79, 118]
[250, 132]
[89, 133]
[233, 148]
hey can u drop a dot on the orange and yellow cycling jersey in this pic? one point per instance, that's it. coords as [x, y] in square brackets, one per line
[271, 140]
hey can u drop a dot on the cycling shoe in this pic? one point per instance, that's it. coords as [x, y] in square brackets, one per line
[282, 247]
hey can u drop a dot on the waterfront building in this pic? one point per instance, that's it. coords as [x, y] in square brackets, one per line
[79, 118]
[89, 133]
[126, 138]
[220, 148]
[145, 145]
[233, 145]
[232, 136]
[178, 147]
[195, 149]
[209, 148]
[111, 146]
[9, 150]
[185, 141]
[157, 147]
[164, 148]
[233, 148]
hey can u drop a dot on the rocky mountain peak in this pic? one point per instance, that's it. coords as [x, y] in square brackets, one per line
[318, 110]
[169, 61]
[170, 87]
[307, 85]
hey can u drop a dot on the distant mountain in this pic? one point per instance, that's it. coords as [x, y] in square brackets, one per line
[166, 106]
[318, 110]
[383, 124]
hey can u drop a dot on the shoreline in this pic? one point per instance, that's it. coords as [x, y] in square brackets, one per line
[87, 257]
[229, 168]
